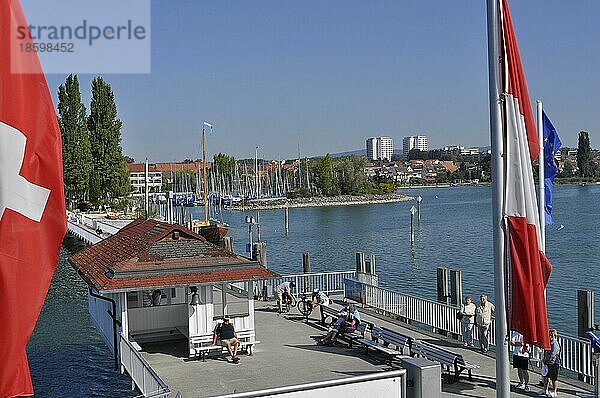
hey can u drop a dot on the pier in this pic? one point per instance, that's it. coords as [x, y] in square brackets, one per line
[288, 355]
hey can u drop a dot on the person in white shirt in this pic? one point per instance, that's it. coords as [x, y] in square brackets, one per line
[483, 319]
[467, 321]
[520, 359]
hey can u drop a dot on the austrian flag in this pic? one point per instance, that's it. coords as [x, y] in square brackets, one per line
[32, 205]
[529, 267]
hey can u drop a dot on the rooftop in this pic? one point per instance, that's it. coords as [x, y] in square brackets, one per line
[150, 253]
[288, 355]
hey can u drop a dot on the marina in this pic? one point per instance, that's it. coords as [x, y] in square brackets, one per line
[275, 237]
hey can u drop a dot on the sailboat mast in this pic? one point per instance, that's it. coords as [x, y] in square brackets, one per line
[204, 185]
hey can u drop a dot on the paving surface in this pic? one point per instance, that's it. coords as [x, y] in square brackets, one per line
[288, 355]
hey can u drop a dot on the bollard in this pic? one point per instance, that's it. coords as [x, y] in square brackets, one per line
[306, 263]
[261, 253]
[412, 228]
[258, 225]
[372, 265]
[228, 243]
[585, 319]
[261, 257]
[360, 262]
[442, 285]
[456, 288]
[287, 219]
[585, 311]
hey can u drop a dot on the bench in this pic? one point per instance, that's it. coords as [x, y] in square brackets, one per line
[357, 334]
[444, 357]
[202, 345]
[327, 312]
[382, 341]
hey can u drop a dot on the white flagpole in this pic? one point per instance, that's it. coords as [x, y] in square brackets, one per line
[542, 188]
[502, 364]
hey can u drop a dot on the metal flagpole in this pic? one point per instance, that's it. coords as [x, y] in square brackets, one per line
[502, 364]
[542, 185]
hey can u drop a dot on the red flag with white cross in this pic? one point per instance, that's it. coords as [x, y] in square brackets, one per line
[32, 205]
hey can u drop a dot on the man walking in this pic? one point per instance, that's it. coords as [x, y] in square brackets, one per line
[483, 319]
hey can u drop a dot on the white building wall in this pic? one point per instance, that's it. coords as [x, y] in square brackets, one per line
[419, 142]
[380, 148]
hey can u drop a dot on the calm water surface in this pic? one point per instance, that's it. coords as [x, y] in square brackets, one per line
[68, 358]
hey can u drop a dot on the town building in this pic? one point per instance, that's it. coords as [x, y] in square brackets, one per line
[414, 142]
[153, 281]
[380, 148]
[156, 173]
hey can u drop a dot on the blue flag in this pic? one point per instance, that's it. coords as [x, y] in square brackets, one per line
[551, 147]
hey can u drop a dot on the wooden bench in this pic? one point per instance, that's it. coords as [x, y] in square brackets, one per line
[444, 357]
[382, 340]
[202, 345]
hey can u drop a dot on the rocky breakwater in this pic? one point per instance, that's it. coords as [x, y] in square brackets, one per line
[320, 201]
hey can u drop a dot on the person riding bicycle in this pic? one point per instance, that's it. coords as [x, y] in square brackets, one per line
[283, 290]
[320, 298]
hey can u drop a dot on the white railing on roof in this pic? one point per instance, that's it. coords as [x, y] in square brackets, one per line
[142, 374]
[328, 282]
[576, 354]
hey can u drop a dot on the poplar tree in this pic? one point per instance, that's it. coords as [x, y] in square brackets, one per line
[584, 154]
[110, 165]
[76, 151]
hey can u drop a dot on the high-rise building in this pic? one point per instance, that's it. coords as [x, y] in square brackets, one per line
[380, 148]
[414, 142]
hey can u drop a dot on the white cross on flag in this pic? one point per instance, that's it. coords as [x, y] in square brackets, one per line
[32, 205]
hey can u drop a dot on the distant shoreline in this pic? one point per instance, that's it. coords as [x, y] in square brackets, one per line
[318, 201]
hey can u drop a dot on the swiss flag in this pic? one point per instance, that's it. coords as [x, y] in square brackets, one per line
[530, 269]
[32, 205]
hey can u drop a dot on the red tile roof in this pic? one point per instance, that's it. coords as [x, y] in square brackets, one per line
[167, 167]
[150, 253]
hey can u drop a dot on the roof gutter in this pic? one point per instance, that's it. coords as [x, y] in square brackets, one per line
[115, 323]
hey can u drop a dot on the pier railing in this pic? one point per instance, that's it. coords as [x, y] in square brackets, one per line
[576, 354]
[144, 377]
[328, 282]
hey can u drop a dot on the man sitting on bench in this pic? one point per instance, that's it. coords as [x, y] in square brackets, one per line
[228, 338]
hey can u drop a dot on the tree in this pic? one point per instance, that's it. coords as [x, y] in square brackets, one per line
[105, 137]
[323, 176]
[351, 175]
[77, 155]
[584, 154]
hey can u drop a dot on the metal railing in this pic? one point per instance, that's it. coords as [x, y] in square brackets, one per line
[576, 354]
[328, 282]
[142, 374]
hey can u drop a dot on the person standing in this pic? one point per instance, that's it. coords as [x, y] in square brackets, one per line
[552, 361]
[282, 291]
[520, 359]
[483, 319]
[467, 321]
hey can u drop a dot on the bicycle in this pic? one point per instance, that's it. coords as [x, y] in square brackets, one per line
[289, 302]
[305, 306]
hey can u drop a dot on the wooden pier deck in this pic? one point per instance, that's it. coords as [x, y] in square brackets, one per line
[288, 355]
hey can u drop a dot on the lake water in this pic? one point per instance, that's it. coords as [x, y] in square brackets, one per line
[68, 358]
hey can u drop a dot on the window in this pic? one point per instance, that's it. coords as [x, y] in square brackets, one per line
[235, 302]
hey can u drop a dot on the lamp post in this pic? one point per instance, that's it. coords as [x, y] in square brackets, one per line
[250, 221]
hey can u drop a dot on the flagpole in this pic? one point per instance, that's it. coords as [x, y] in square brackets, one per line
[502, 364]
[541, 184]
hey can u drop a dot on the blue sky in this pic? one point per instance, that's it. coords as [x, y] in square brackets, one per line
[327, 75]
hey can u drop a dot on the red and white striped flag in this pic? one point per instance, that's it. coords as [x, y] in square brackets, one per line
[529, 267]
[32, 205]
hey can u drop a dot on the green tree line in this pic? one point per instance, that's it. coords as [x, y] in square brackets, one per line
[94, 167]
